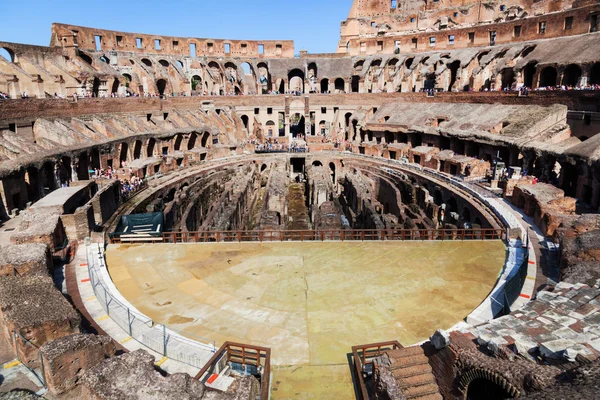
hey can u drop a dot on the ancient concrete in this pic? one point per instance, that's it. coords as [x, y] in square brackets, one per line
[30, 259]
[32, 309]
[68, 358]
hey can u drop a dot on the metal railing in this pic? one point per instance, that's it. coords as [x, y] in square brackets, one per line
[363, 356]
[316, 236]
[179, 346]
[254, 360]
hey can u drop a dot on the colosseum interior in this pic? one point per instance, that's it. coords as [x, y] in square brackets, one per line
[415, 216]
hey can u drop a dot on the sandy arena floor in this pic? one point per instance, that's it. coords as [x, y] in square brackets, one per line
[308, 302]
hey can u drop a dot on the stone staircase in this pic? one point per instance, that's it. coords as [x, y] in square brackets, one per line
[410, 367]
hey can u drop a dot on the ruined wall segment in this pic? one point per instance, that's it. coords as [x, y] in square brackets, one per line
[93, 39]
[388, 26]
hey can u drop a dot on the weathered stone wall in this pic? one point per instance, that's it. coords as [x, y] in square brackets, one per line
[29, 259]
[67, 359]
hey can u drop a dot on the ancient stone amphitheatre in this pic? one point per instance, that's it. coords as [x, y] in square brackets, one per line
[413, 216]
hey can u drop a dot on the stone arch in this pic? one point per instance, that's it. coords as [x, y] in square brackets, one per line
[529, 74]
[508, 78]
[264, 77]
[150, 147]
[164, 63]
[571, 75]
[95, 158]
[270, 128]
[85, 58]
[483, 384]
[452, 205]
[245, 121]
[104, 59]
[146, 62]
[115, 86]
[296, 80]
[453, 67]
[137, 150]
[205, 137]
[192, 141]
[178, 141]
[594, 77]
[409, 62]
[161, 86]
[8, 54]
[324, 85]
[195, 82]
[548, 77]
[437, 198]
[123, 154]
[317, 163]
[340, 85]
[358, 65]
[95, 86]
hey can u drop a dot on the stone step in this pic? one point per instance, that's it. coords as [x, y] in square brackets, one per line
[410, 361]
[435, 396]
[412, 371]
[417, 380]
[420, 391]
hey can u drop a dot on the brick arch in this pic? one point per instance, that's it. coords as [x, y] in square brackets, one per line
[467, 377]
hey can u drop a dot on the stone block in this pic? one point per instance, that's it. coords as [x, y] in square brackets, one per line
[440, 339]
[33, 313]
[555, 349]
[31, 259]
[68, 358]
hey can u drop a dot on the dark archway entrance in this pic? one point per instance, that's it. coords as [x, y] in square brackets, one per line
[355, 83]
[161, 85]
[594, 77]
[339, 85]
[548, 77]
[453, 73]
[324, 85]
[571, 75]
[297, 125]
[528, 74]
[483, 389]
[508, 78]
[296, 80]
[95, 87]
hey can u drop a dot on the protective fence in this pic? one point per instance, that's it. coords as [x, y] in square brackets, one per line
[190, 350]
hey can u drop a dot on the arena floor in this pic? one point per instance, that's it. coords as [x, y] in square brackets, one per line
[308, 302]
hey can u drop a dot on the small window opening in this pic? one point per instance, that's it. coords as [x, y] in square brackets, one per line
[157, 44]
[261, 49]
[138, 43]
[98, 41]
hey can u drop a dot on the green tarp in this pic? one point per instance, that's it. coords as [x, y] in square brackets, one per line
[140, 224]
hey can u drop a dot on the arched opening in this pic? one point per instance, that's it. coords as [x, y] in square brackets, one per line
[247, 68]
[179, 64]
[454, 66]
[409, 62]
[452, 205]
[205, 137]
[594, 78]
[358, 66]
[196, 83]
[7, 54]
[339, 85]
[48, 177]
[147, 62]
[324, 85]
[548, 77]
[178, 141]
[192, 141]
[296, 80]
[508, 78]
[85, 58]
[437, 198]
[355, 83]
[527, 50]
[65, 171]
[332, 169]
[123, 154]
[164, 63]
[264, 78]
[161, 85]
[263, 167]
[127, 80]
[528, 74]
[317, 164]
[270, 127]
[95, 159]
[245, 121]
[115, 86]
[150, 147]
[571, 75]
[466, 214]
[104, 59]
[297, 125]
[95, 87]
[137, 150]
[323, 127]
[483, 389]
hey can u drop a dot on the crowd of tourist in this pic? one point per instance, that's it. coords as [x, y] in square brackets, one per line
[4, 96]
[130, 183]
